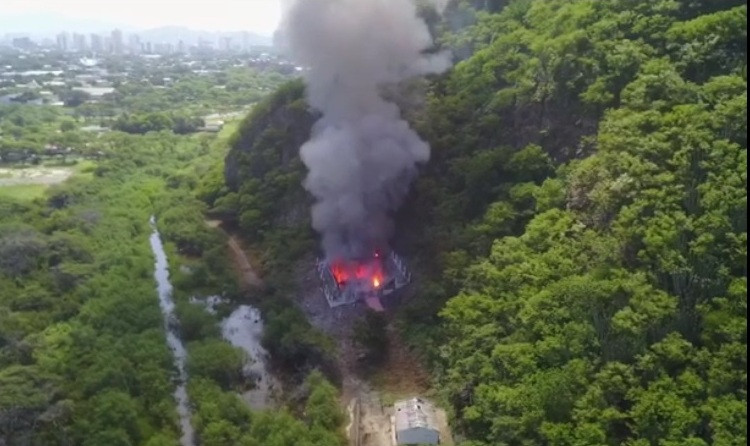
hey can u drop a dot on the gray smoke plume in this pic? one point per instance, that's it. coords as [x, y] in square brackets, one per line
[362, 156]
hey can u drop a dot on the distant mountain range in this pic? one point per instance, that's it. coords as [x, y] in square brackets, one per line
[46, 25]
[173, 34]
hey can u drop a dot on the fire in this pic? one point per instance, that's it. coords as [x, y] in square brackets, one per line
[339, 273]
[368, 272]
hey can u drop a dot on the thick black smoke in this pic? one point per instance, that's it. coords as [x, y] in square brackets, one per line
[362, 156]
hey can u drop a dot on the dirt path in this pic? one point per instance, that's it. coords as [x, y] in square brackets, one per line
[245, 270]
[249, 276]
[402, 375]
[374, 422]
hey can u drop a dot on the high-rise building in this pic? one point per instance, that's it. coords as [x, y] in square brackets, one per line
[163, 48]
[63, 41]
[225, 44]
[245, 41]
[117, 43]
[97, 44]
[23, 43]
[134, 44]
[79, 42]
[181, 47]
[205, 45]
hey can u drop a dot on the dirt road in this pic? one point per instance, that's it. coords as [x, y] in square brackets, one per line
[374, 421]
[249, 276]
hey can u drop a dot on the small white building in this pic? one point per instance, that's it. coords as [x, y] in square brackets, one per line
[415, 423]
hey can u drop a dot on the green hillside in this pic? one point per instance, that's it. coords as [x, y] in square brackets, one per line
[579, 235]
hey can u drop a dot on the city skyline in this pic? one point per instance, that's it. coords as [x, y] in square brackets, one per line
[149, 42]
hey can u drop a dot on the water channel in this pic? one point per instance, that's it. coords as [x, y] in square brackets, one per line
[244, 329]
[164, 288]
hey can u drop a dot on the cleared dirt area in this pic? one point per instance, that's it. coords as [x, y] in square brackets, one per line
[34, 175]
[401, 374]
[372, 422]
[337, 322]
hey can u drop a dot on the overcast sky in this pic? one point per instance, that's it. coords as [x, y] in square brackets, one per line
[260, 16]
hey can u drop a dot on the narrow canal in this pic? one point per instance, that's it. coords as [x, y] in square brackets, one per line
[164, 288]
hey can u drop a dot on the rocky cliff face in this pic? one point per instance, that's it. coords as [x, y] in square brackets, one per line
[263, 164]
[270, 136]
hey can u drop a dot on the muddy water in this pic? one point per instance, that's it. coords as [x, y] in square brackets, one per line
[244, 329]
[164, 288]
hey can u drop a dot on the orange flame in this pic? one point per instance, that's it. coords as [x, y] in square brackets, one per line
[358, 271]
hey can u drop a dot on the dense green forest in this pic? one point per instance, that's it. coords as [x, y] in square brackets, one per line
[587, 201]
[83, 358]
[578, 243]
[579, 235]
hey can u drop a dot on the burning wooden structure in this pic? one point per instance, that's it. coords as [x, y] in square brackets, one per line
[348, 281]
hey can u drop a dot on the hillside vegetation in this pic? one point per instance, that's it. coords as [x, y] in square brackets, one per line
[588, 205]
[579, 235]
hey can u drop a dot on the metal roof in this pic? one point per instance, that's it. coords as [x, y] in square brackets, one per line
[415, 413]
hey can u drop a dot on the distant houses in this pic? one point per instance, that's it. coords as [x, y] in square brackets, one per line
[49, 152]
[212, 123]
[19, 156]
[54, 150]
[212, 127]
[33, 85]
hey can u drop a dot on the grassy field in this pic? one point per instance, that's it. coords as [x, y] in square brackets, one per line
[28, 183]
[23, 192]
